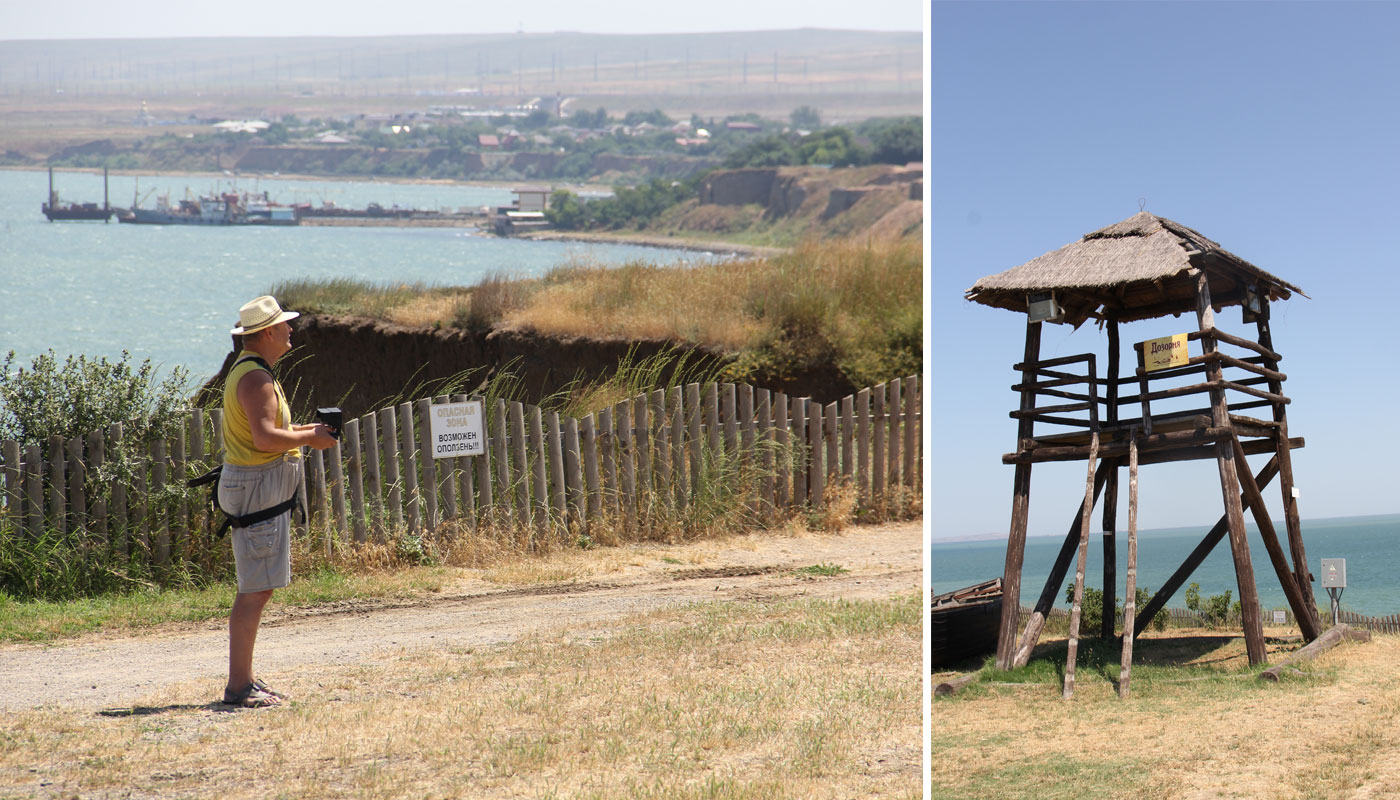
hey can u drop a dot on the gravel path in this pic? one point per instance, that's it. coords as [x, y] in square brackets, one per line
[105, 671]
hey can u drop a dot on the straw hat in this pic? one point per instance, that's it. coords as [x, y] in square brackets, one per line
[261, 313]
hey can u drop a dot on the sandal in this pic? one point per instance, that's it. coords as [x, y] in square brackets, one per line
[262, 687]
[250, 696]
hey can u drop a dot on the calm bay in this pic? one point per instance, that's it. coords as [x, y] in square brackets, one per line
[170, 293]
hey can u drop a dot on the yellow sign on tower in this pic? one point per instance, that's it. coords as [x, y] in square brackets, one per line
[1164, 353]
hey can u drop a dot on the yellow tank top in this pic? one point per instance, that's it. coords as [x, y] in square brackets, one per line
[238, 434]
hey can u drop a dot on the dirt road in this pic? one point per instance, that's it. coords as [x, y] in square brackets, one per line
[106, 670]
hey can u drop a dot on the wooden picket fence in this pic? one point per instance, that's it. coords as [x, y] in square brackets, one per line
[1183, 617]
[542, 473]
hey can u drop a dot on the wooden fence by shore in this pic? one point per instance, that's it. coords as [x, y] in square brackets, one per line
[542, 474]
[1182, 617]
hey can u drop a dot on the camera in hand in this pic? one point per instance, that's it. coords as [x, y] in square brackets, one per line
[332, 418]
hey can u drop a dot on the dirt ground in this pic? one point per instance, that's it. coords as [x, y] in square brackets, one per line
[115, 669]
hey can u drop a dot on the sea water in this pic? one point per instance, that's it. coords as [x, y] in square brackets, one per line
[171, 293]
[1370, 545]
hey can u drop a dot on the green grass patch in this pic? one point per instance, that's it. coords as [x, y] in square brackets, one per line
[47, 620]
[1049, 777]
[821, 570]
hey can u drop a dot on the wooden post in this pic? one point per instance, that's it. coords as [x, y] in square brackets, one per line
[626, 460]
[1076, 609]
[848, 426]
[554, 438]
[34, 489]
[895, 389]
[357, 489]
[911, 441]
[831, 426]
[409, 452]
[1020, 510]
[540, 464]
[746, 423]
[607, 439]
[1317, 647]
[593, 499]
[337, 487]
[390, 426]
[447, 487]
[120, 526]
[178, 513]
[499, 448]
[14, 503]
[428, 485]
[712, 429]
[728, 410]
[77, 492]
[782, 482]
[1229, 482]
[319, 504]
[1110, 496]
[97, 455]
[661, 448]
[1285, 460]
[676, 401]
[1287, 581]
[520, 465]
[878, 464]
[641, 435]
[374, 484]
[863, 446]
[141, 521]
[58, 511]
[816, 469]
[573, 477]
[539, 471]
[1130, 590]
[468, 466]
[764, 434]
[694, 445]
[802, 452]
[162, 524]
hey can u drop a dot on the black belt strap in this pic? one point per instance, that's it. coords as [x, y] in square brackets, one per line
[243, 520]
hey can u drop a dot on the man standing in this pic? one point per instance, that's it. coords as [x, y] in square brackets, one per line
[259, 485]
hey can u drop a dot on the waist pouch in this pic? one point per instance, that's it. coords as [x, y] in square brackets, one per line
[243, 520]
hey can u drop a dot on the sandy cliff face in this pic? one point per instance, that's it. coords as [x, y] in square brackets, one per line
[361, 364]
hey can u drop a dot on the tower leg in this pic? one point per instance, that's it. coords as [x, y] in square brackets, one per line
[1011, 574]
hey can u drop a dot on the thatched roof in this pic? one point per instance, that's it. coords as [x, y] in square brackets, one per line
[1140, 268]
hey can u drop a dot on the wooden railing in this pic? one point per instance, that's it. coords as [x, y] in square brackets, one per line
[1091, 397]
[541, 471]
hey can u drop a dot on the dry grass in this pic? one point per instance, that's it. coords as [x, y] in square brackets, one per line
[804, 699]
[1201, 727]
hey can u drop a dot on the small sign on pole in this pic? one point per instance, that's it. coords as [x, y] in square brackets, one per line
[1280, 617]
[1334, 580]
[1164, 353]
[458, 429]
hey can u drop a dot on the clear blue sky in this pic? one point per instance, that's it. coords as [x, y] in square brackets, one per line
[1271, 128]
[86, 19]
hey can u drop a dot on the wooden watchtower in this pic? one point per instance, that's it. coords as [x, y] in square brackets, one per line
[1147, 267]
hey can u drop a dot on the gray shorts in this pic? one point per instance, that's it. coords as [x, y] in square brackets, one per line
[262, 553]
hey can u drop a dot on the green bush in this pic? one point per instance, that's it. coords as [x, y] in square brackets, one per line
[83, 395]
[1091, 607]
[1216, 608]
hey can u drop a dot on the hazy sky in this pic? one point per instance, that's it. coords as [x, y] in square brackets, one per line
[1266, 127]
[86, 19]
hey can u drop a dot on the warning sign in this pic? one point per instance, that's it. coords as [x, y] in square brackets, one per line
[458, 429]
[1169, 351]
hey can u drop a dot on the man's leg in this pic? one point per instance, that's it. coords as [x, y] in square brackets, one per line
[242, 633]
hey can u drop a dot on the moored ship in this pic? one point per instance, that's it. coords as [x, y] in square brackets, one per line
[56, 211]
[227, 208]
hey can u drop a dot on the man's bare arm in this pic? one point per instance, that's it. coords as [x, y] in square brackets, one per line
[258, 398]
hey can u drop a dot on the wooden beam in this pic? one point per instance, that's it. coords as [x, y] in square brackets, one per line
[1255, 501]
[1317, 647]
[1230, 487]
[1077, 608]
[1130, 590]
[1020, 512]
